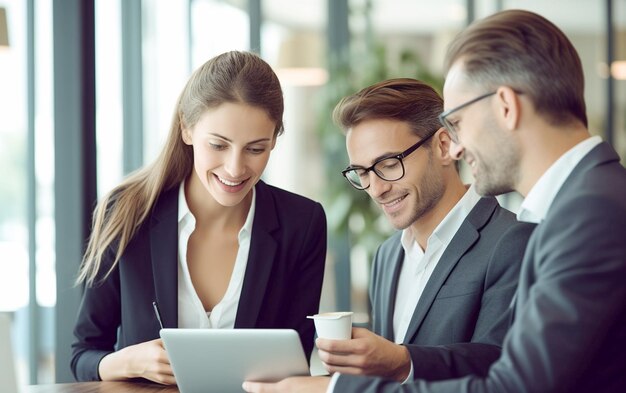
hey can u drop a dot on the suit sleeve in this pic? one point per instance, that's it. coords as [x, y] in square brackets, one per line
[558, 330]
[374, 288]
[96, 327]
[475, 357]
[312, 260]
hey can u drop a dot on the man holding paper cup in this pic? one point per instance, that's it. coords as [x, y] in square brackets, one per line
[442, 285]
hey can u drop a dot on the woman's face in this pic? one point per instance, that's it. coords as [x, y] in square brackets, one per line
[231, 147]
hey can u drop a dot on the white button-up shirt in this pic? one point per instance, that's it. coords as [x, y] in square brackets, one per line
[191, 312]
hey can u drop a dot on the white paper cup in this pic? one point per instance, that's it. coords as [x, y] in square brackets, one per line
[333, 325]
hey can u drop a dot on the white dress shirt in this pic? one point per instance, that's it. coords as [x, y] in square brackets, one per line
[418, 266]
[191, 312]
[539, 199]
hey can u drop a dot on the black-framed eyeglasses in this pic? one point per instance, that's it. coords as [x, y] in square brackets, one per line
[451, 126]
[387, 168]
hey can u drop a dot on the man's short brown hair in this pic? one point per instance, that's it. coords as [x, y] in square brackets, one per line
[528, 53]
[407, 100]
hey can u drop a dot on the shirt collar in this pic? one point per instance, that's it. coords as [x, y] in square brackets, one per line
[183, 208]
[447, 228]
[535, 206]
[184, 212]
[247, 226]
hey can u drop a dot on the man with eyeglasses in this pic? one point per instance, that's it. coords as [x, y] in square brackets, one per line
[441, 286]
[515, 89]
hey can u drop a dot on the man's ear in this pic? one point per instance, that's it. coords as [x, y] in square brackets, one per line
[441, 147]
[509, 107]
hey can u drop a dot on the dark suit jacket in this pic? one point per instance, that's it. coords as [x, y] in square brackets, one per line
[282, 283]
[466, 298]
[569, 333]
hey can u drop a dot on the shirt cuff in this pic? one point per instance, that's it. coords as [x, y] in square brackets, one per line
[333, 382]
[411, 375]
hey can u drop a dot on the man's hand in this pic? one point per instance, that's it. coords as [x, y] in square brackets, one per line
[365, 354]
[288, 385]
[146, 360]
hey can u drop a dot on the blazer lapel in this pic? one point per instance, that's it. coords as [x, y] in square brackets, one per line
[163, 251]
[261, 258]
[464, 238]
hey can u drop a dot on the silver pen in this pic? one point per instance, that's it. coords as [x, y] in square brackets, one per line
[155, 306]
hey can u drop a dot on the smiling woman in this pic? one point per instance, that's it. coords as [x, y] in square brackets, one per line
[200, 234]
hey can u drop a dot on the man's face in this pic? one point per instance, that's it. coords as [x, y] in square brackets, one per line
[406, 200]
[486, 146]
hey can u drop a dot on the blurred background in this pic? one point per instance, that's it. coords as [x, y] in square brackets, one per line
[88, 87]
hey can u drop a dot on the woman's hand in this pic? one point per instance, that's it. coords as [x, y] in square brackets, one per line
[146, 360]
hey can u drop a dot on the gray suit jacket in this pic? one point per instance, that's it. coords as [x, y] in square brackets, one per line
[466, 298]
[569, 333]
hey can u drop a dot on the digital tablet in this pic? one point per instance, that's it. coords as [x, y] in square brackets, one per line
[220, 360]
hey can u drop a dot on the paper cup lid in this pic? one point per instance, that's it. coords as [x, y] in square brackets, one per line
[330, 315]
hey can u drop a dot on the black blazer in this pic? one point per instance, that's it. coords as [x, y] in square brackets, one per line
[569, 332]
[282, 282]
[466, 298]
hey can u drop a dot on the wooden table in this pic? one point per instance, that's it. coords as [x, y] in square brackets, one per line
[101, 387]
